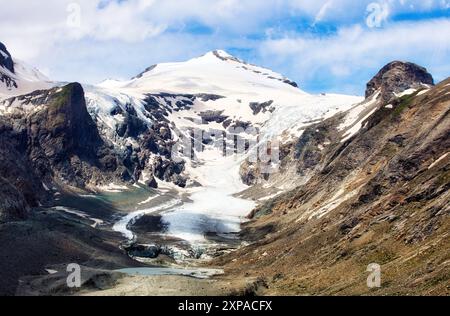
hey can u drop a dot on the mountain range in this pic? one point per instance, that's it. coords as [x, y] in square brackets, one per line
[359, 180]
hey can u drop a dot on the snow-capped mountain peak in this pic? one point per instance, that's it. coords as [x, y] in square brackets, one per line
[216, 72]
[216, 89]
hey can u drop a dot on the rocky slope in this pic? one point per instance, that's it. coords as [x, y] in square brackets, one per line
[6, 59]
[372, 186]
[6, 68]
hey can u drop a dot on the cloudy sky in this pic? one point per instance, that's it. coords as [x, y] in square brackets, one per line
[325, 45]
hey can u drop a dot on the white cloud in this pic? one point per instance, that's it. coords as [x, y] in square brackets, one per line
[32, 28]
[118, 38]
[354, 49]
[44, 23]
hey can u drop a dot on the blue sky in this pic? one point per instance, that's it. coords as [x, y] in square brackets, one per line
[324, 45]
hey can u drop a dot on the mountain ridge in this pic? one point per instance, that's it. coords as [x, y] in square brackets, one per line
[203, 70]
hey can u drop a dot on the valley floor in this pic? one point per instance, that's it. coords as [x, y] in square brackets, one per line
[178, 286]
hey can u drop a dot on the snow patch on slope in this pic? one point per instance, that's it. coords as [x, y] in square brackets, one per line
[355, 117]
[307, 110]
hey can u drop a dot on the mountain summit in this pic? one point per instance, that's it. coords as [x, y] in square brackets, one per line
[396, 77]
[216, 72]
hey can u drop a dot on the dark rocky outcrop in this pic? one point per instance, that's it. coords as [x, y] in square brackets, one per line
[151, 183]
[132, 125]
[250, 174]
[205, 97]
[169, 171]
[241, 125]
[397, 77]
[64, 126]
[144, 251]
[213, 116]
[157, 139]
[63, 139]
[6, 65]
[223, 57]
[285, 80]
[21, 187]
[58, 141]
[6, 60]
[291, 83]
[261, 107]
[148, 69]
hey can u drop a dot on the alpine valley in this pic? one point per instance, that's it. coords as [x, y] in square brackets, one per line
[115, 178]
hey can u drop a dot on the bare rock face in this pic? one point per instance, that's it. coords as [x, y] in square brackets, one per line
[6, 64]
[167, 170]
[397, 77]
[57, 139]
[6, 59]
[68, 123]
[14, 205]
[20, 186]
[62, 138]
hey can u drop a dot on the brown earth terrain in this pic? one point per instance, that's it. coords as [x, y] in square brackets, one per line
[380, 197]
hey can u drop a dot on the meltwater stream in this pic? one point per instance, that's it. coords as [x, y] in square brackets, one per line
[197, 273]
